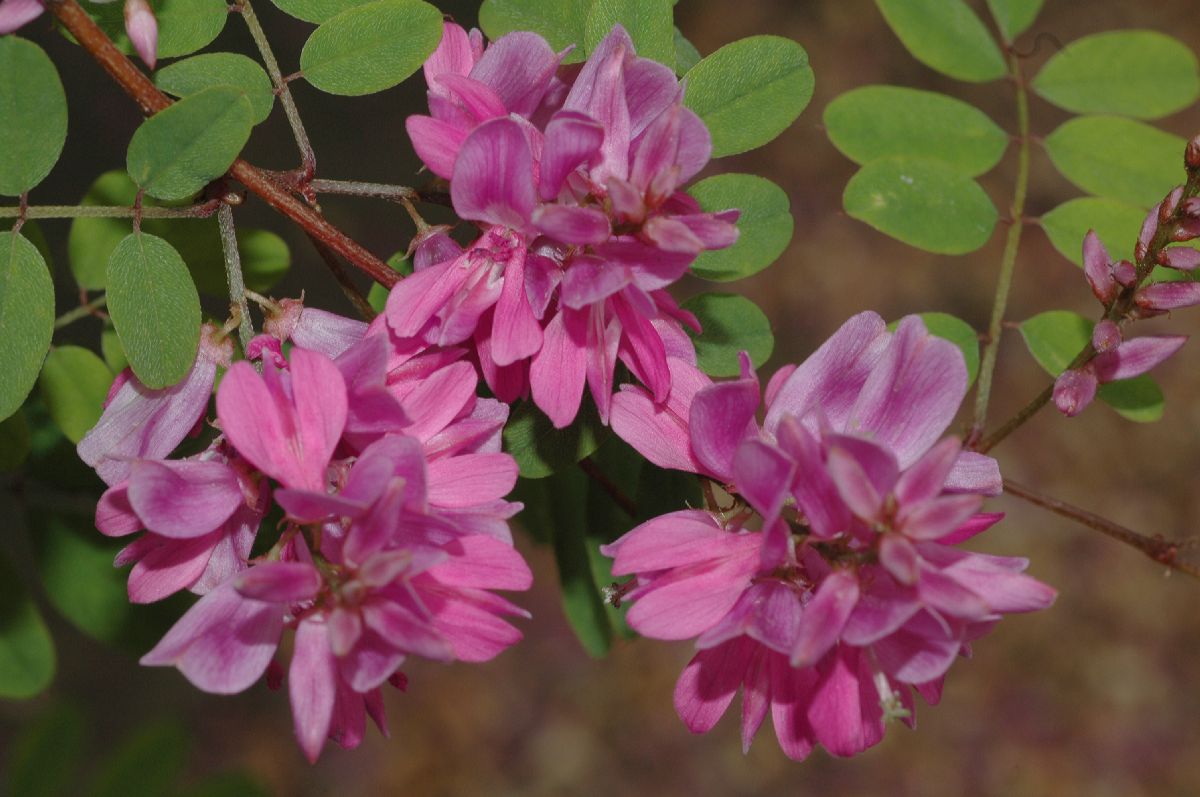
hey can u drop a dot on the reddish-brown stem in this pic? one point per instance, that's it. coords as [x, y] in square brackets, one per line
[1163, 551]
[614, 492]
[138, 86]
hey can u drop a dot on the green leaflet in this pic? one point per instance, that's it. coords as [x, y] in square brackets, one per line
[1140, 73]
[540, 449]
[764, 226]
[191, 75]
[876, 122]
[560, 22]
[74, 383]
[27, 660]
[154, 307]
[176, 152]
[33, 115]
[1118, 158]
[766, 79]
[26, 318]
[648, 22]
[371, 47]
[923, 203]
[731, 324]
[1014, 16]
[945, 35]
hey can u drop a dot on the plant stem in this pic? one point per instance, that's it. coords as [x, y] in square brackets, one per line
[357, 188]
[344, 282]
[1161, 550]
[151, 100]
[1008, 260]
[233, 274]
[588, 466]
[83, 311]
[110, 212]
[308, 159]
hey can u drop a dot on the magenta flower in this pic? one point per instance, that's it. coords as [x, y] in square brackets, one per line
[584, 223]
[851, 594]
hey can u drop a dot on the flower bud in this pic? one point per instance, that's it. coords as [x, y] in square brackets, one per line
[1191, 206]
[1165, 296]
[1181, 257]
[1073, 391]
[1124, 273]
[1106, 336]
[1097, 269]
[1192, 154]
[1188, 229]
[1146, 236]
[142, 28]
[1170, 204]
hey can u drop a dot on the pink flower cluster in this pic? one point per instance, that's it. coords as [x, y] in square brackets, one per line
[387, 472]
[573, 175]
[832, 586]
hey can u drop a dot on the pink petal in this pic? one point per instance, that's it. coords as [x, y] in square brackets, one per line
[222, 644]
[516, 333]
[884, 606]
[927, 476]
[142, 28]
[721, 417]
[708, 683]
[660, 432]
[824, 617]
[1168, 296]
[475, 99]
[588, 280]
[578, 226]
[312, 687]
[279, 582]
[934, 519]
[791, 691]
[1074, 390]
[900, 558]
[327, 333]
[1096, 267]
[641, 348]
[484, 563]
[688, 603]
[974, 473]
[813, 487]
[15, 13]
[439, 399]
[842, 707]
[559, 370]
[166, 566]
[493, 176]
[599, 92]
[437, 143]
[1181, 257]
[114, 516]
[471, 479]
[676, 539]
[650, 89]
[185, 498]
[398, 627]
[518, 66]
[854, 486]
[453, 55]
[695, 146]
[572, 140]
[975, 525]
[763, 475]
[920, 651]
[756, 697]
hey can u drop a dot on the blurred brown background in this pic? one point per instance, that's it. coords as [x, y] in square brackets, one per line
[1099, 696]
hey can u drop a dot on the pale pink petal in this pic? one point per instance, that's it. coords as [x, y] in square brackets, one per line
[142, 28]
[398, 627]
[327, 333]
[900, 558]
[518, 66]
[974, 473]
[312, 687]
[222, 644]
[475, 633]
[920, 651]
[186, 498]
[975, 525]
[15, 13]
[854, 485]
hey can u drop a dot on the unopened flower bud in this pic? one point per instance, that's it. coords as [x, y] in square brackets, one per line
[1170, 204]
[1073, 391]
[1181, 257]
[1188, 229]
[1191, 206]
[142, 28]
[1192, 153]
[1124, 273]
[1097, 269]
[1146, 236]
[1106, 336]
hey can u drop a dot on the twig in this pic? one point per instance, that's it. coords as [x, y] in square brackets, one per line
[614, 492]
[1163, 551]
[202, 211]
[83, 311]
[151, 100]
[233, 274]
[395, 193]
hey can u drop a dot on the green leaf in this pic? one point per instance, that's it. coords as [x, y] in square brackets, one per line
[1139, 399]
[147, 764]
[316, 11]
[14, 441]
[945, 35]
[560, 22]
[26, 318]
[184, 26]
[731, 324]
[961, 334]
[540, 449]
[27, 660]
[1014, 16]
[1117, 223]
[371, 47]
[192, 75]
[686, 54]
[180, 149]
[33, 115]
[74, 384]
[91, 241]
[44, 758]
[1054, 338]
[923, 203]
[265, 256]
[764, 227]
[110, 347]
[648, 22]
[155, 309]
[1119, 158]
[1141, 73]
[875, 122]
[749, 91]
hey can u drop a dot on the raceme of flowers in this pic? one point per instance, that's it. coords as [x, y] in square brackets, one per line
[849, 592]
[351, 487]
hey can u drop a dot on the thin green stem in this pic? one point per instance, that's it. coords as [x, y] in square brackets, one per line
[233, 275]
[83, 311]
[308, 159]
[395, 193]
[109, 212]
[1008, 260]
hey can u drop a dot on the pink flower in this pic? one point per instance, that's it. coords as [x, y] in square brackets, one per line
[140, 423]
[852, 594]
[584, 226]
[140, 23]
